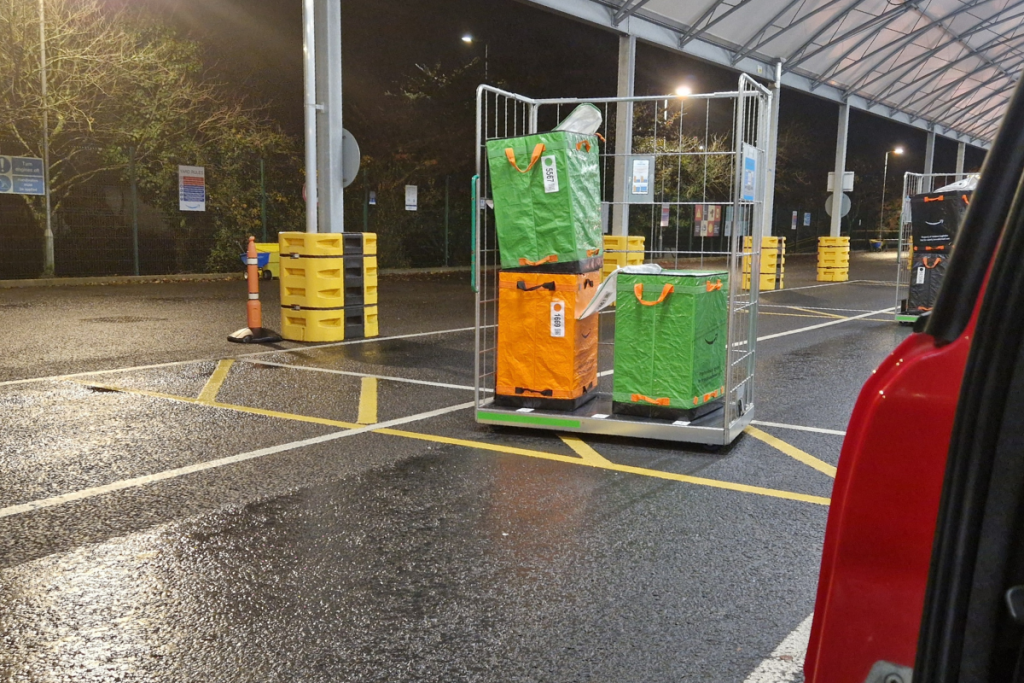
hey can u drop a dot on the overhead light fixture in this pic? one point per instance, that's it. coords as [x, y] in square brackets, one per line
[467, 38]
[898, 150]
[684, 91]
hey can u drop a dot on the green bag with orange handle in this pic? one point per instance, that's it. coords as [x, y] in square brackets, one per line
[547, 201]
[670, 342]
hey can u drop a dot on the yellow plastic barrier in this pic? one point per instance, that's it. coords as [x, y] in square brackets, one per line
[833, 259]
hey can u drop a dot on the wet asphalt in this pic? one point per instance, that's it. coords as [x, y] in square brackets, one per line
[403, 556]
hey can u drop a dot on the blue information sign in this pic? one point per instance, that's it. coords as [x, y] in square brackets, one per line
[22, 175]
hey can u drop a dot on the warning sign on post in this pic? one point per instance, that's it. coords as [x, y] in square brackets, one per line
[191, 188]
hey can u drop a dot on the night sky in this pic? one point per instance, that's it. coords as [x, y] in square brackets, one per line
[532, 51]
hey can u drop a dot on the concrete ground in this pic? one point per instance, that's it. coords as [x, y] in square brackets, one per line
[174, 507]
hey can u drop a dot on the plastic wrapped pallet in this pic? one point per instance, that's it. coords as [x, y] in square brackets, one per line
[547, 201]
[546, 357]
[670, 343]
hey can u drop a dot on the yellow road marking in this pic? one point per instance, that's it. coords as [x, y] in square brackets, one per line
[225, 406]
[792, 451]
[368, 402]
[823, 314]
[584, 451]
[209, 392]
[139, 392]
[584, 460]
[657, 474]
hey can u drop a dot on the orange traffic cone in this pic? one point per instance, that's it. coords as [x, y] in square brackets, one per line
[255, 333]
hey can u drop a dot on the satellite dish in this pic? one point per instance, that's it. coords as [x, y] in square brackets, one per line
[844, 207]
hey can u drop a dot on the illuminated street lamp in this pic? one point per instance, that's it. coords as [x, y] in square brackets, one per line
[885, 172]
[469, 40]
[684, 91]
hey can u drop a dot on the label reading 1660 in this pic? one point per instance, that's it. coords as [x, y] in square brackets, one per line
[557, 318]
[550, 169]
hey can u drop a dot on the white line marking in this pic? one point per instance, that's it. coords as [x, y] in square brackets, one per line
[838, 321]
[799, 428]
[787, 660]
[814, 308]
[230, 460]
[239, 357]
[794, 289]
[330, 371]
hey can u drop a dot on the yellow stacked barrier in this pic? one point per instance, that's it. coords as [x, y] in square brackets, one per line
[328, 286]
[773, 262]
[621, 251]
[833, 259]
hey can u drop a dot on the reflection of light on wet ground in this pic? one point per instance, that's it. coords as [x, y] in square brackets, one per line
[86, 614]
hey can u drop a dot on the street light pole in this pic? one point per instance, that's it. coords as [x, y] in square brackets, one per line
[468, 39]
[48, 260]
[885, 172]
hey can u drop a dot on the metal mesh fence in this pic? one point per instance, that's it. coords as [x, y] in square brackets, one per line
[101, 228]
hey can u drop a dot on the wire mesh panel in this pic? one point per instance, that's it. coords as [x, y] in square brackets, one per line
[702, 194]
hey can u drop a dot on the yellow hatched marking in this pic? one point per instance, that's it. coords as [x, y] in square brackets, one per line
[792, 451]
[585, 461]
[657, 474]
[209, 392]
[368, 402]
[585, 451]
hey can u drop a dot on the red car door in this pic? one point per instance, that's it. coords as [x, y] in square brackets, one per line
[878, 539]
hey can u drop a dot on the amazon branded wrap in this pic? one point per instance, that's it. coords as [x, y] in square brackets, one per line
[935, 219]
[670, 343]
[926, 274]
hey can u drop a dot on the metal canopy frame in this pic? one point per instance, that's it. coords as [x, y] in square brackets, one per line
[945, 66]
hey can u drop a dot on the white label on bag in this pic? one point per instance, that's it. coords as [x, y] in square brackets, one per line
[550, 169]
[557, 318]
[920, 276]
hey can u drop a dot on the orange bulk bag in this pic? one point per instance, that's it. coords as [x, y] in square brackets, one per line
[546, 358]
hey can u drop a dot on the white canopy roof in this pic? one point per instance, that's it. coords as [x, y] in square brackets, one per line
[943, 65]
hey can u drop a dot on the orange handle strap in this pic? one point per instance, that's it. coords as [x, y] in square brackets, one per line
[966, 200]
[593, 252]
[714, 286]
[553, 258]
[637, 398]
[581, 143]
[933, 199]
[599, 137]
[534, 158]
[934, 262]
[638, 290]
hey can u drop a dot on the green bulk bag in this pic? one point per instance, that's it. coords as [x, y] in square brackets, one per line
[547, 201]
[670, 342]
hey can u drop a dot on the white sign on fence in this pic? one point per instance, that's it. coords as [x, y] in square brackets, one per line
[411, 197]
[191, 188]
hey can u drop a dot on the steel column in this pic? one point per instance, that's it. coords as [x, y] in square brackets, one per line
[929, 160]
[623, 133]
[961, 151]
[840, 168]
[772, 154]
[309, 109]
[331, 210]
